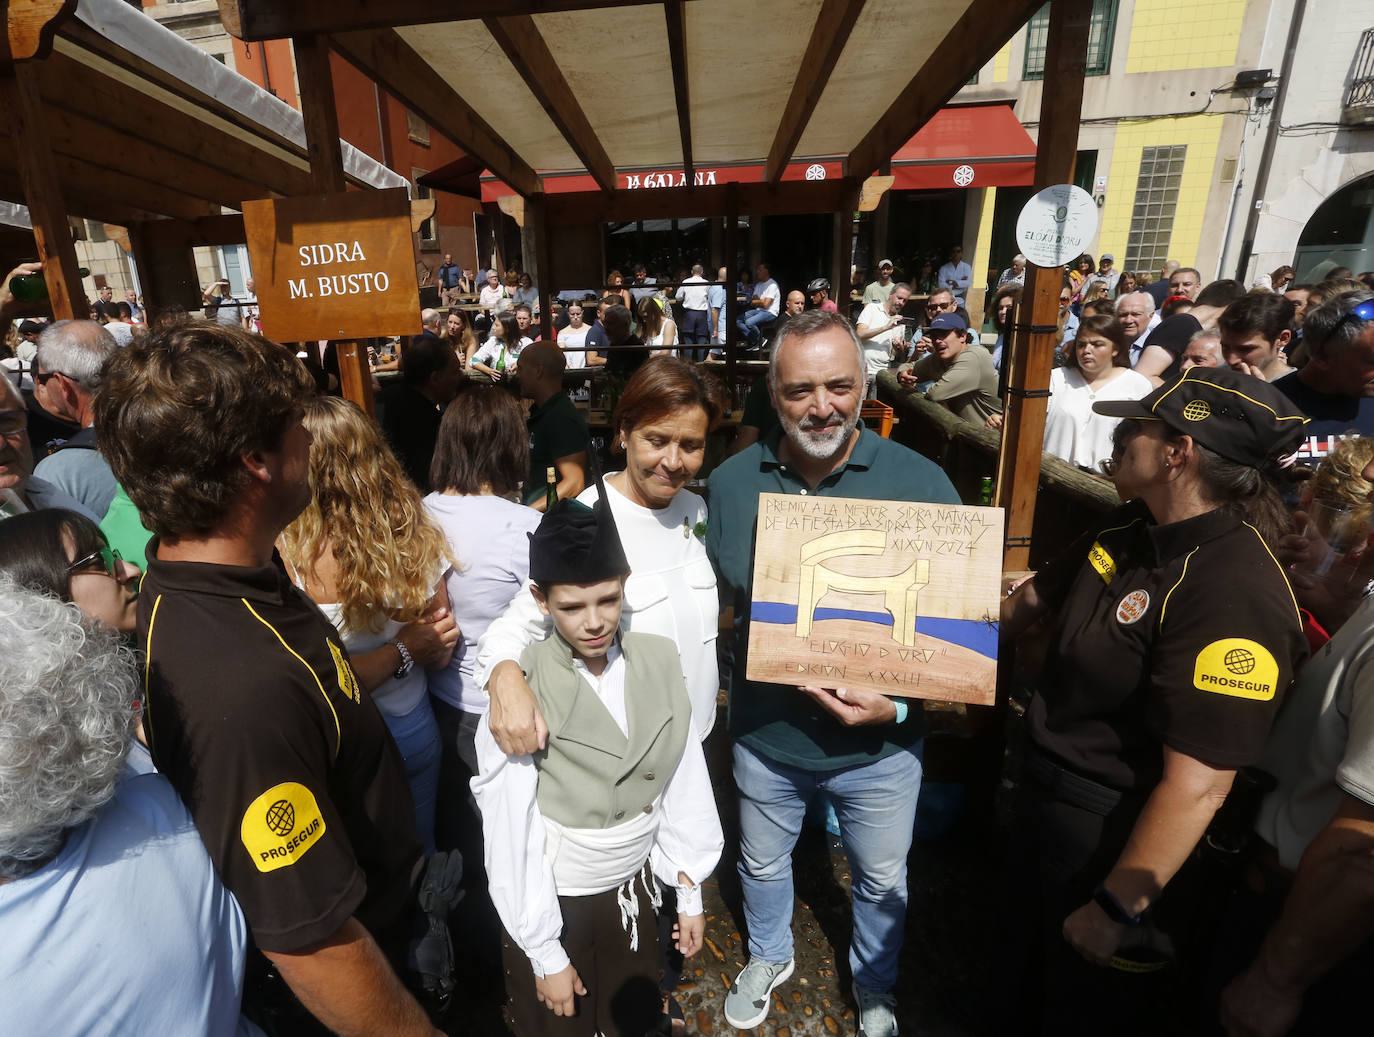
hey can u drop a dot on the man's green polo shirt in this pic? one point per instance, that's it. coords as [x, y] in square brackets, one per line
[557, 429]
[776, 720]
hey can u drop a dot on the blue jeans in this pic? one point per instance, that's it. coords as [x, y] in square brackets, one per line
[876, 806]
[749, 322]
[417, 736]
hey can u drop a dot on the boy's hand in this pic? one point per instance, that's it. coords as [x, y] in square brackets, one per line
[688, 933]
[560, 991]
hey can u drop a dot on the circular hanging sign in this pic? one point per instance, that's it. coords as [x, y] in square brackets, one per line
[963, 176]
[1055, 226]
[815, 171]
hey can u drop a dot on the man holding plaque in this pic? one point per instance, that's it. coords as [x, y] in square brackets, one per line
[862, 748]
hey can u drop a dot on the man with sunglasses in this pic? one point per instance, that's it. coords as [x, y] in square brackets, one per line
[1335, 388]
[71, 360]
[20, 489]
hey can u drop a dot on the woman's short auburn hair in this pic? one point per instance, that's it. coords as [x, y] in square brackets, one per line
[180, 407]
[483, 444]
[662, 386]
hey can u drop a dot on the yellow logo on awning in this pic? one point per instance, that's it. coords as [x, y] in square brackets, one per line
[1237, 666]
[281, 825]
[1100, 560]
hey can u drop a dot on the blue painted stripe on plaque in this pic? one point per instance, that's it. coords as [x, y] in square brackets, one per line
[973, 634]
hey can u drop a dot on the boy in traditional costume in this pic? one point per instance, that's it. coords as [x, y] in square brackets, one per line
[621, 789]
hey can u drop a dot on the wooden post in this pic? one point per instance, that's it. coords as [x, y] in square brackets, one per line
[731, 269]
[319, 114]
[43, 192]
[536, 218]
[1034, 336]
[842, 240]
[327, 177]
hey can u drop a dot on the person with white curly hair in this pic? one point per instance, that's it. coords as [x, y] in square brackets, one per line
[104, 884]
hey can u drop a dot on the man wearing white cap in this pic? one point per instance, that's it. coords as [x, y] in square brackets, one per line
[878, 291]
[1105, 273]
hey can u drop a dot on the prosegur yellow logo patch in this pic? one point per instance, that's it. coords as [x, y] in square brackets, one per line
[1100, 560]
[348, 684]
[1237, 666]
[281, 825]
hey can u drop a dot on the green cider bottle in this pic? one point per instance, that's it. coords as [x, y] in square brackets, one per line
[985, 492]
[33, 287]
[550, 488]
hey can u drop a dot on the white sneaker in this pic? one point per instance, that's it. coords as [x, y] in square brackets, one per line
[877, 1012]
[746, 1005]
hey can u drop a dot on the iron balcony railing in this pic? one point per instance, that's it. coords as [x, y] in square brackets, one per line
[1358, 105]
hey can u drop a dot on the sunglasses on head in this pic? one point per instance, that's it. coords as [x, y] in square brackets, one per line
[1364, 313]
[105, 557]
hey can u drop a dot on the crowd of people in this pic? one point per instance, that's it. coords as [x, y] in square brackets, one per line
[311, 722]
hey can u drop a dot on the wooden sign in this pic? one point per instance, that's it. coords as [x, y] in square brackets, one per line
[896, 597]
[339, 266]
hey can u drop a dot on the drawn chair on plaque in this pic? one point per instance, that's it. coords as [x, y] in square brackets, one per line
[899, 590]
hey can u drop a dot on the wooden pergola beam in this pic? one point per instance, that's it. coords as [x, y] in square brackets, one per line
[971, 43]
[277, 19]
[320, 115]
[676, 15]
[527, 50]
[828, 37]
[68, 85]
[81, 206]
[388, 60]
[89, 138]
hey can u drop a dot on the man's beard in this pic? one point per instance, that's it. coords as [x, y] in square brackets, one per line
[803, 435]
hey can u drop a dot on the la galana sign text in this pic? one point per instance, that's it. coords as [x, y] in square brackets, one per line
[334, 266]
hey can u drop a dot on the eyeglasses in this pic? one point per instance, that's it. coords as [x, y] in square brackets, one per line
[1364, 313]
[43, 377]
[106, 557]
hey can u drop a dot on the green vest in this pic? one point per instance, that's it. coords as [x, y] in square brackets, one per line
[591, 775]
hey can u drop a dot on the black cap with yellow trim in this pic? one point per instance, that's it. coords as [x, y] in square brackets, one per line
[1238, 416]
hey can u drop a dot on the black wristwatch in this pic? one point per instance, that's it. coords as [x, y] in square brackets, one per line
[1113, 908]
[407, 663]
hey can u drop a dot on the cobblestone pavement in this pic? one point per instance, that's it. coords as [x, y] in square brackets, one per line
[944, 983]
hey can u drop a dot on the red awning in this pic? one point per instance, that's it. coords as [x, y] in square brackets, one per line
[968, 146]
[972, 146]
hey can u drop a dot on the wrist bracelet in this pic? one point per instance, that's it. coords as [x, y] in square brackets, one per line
[1113, 908]
[902, 710]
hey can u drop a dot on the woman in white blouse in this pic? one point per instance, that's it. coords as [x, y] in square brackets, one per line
[1096, 369]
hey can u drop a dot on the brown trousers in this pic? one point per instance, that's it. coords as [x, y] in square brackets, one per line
[622, 997]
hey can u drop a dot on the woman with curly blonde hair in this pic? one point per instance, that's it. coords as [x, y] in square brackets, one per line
[367, 554]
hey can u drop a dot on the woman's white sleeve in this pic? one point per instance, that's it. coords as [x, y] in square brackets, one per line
[689, 838]
[519, 878]
[510, 634]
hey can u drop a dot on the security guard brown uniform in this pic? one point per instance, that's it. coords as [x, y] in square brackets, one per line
[1183, 635]
[300, 795]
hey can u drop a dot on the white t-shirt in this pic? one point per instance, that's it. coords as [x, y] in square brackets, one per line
[574, 339]
[491, 350]
[878, 349]
[1073, 430]
[1323, 741]
[769, 290]
[490, 538]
